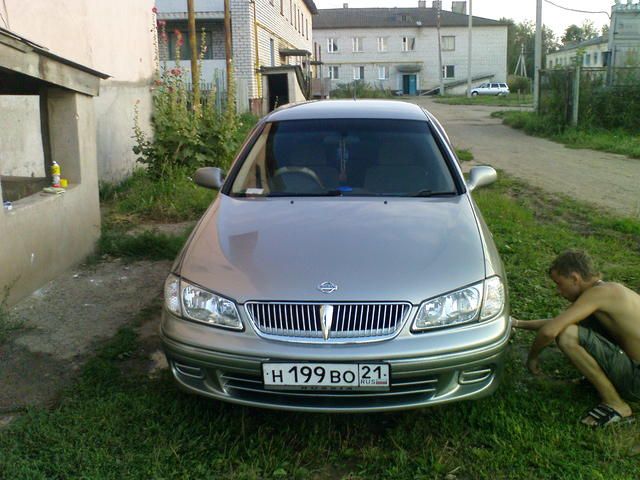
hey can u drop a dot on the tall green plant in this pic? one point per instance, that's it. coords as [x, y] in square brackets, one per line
[184, 136]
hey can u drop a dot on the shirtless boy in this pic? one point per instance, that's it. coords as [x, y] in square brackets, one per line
[599, 333]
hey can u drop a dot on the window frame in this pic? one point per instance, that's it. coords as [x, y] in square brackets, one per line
[332, 45]
[360, 70]
[408, 41]
[357, 44]
[453, 40]
[445, 71]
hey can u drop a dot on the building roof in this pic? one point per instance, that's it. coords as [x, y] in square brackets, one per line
[586, 43]
[394, 17]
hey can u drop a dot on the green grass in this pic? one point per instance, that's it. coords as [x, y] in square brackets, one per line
[511, 100]
[612, 141]
[116, 424]
[464, 155]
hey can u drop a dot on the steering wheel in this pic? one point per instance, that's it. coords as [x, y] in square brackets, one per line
[306, 172]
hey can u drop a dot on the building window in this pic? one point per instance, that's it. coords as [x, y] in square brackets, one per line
[587, 59]
[334, 73]
[550, 63]
[282, 7]
[383, 73]
[408, 44]
[357, 42]
[448, 71]
[382, 44]
[449, 43]
[332, 45]
[306, 27]
[595, 58]
[272, 51]
[271, 2]
[358, 73]
[291, 11]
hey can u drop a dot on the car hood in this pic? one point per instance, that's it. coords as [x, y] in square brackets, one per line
[373, 249]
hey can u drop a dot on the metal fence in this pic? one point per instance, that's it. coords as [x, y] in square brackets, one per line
[598, 97]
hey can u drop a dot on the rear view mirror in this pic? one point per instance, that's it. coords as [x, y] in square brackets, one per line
[209, 177]
[480, 177]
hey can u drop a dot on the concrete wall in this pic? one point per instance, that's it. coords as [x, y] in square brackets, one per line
[21, 152]
[114, 37]
[42, 236]
[489, 55]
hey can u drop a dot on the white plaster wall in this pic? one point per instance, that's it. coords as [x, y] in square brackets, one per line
[21, 152]
[114, 37]
[489, 54]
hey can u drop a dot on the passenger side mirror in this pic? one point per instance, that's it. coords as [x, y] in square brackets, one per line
[209, 177]
[480, 177]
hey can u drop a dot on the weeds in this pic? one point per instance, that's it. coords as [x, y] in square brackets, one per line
[7, 324]
[464, 155]
[612, 141]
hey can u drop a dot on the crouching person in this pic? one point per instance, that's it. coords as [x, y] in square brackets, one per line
[599, 333]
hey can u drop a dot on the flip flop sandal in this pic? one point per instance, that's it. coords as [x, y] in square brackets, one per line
[604, 415]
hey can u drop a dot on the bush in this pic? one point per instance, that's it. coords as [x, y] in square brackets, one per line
[519, 84]
[184, 136]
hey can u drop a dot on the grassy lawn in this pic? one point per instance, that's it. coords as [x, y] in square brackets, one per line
[118, 424]
[511, 100]
[612, 141]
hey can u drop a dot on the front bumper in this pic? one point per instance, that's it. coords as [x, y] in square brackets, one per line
[227, 366]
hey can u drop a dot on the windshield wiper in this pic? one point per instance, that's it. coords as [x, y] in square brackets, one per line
[431, 193]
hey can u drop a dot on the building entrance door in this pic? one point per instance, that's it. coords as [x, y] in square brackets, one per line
[409, 85]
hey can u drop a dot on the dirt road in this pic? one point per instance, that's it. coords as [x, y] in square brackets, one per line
[602, 179]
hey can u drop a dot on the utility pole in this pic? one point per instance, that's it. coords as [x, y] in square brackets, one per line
[538, 57]
[227, 44]
[195, 74]
[441, 90]
[470, 44]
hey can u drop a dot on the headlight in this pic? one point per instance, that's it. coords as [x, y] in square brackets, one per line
[200, 305]
[486, 298]
[451, 309]
[494, 296]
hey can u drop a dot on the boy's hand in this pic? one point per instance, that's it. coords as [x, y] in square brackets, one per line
[534, 366]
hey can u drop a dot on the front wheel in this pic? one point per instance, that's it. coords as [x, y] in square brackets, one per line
[474, 94]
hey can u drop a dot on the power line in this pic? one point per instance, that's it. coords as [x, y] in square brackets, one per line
[576, 10]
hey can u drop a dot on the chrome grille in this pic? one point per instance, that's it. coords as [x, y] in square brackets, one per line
[349, 320]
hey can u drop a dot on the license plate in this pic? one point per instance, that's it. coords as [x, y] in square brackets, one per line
[326, 376]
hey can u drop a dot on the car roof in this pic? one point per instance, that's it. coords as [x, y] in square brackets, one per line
[372, 109]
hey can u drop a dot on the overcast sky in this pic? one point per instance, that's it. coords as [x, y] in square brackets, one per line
[519, 10]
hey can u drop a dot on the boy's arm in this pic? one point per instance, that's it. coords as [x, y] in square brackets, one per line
[584, 306]
[530, 324]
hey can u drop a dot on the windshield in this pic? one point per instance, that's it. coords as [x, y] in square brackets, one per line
[344, 157]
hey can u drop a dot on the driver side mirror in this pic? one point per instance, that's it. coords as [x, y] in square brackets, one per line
[209, 177]
[480, 177]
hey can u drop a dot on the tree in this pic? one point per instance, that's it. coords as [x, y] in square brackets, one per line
[577, 34]
[524, 33]
[604, 31]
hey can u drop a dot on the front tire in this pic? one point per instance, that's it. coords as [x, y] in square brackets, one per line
[474, 94]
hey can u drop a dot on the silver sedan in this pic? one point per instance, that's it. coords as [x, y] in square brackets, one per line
[344, 266]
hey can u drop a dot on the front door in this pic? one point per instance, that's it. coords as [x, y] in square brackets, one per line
[409, 85]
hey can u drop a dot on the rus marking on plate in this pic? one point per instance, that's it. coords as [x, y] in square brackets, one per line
[327, 287]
